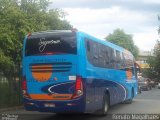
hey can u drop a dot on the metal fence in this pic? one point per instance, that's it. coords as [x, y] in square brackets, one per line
[10, 96]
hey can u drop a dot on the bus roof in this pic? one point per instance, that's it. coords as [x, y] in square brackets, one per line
[51, 31]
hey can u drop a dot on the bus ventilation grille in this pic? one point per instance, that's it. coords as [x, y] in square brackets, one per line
[51, 67]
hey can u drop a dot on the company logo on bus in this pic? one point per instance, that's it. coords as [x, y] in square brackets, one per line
[43, 43]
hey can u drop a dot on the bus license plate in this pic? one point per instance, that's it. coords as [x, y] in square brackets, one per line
[49, 105]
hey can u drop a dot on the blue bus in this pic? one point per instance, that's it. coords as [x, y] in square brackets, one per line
[68, 71]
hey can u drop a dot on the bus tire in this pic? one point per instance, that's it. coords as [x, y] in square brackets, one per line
[105, 106]
[147, 89]
[150, 87]
[129, 101]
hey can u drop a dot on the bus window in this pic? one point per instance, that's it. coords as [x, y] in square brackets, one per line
[51, 44]
[107, 55]
[112, 58]
[95, 53]
[88, 46]
[101, 56]
[118, 59]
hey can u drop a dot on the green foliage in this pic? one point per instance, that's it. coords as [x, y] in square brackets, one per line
[18, 17]
[157, 59]
[154, 63]
[150, 72]
[119, 37]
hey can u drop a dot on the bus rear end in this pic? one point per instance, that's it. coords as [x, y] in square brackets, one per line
[50, 73]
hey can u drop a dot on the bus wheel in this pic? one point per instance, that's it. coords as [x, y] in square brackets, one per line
[105, 108]
[129, 101]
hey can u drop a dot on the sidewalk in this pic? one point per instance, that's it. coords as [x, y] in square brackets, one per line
[11, 108]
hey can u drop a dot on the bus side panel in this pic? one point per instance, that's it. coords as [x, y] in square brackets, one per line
[98, 81]
[132, 84]
[95, 90]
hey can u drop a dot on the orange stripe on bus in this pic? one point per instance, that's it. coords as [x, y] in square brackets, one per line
[40, 76]
[41, 69]
[41, 66]
[51, 97]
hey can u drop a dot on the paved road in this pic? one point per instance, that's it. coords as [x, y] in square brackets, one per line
[146, 103]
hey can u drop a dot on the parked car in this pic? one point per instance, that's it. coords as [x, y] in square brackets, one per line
[139, 87]
[145, 84]
[153, 83]
[158, 85]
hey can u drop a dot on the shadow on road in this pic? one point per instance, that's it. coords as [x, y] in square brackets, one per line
[71, 116]
[63, 117]
[77, 117]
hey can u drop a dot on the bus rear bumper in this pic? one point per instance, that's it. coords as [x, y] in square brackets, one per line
[68, 106]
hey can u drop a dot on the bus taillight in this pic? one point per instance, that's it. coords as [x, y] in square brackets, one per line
[78, 88]
[24, 87]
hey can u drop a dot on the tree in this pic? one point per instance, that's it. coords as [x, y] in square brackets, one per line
[18, 17]
[119, 37]
[150, 72]
[154, 63]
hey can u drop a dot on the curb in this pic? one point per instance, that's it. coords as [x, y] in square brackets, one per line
[11, 108]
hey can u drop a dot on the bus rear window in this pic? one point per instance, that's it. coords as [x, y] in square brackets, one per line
[45, 44]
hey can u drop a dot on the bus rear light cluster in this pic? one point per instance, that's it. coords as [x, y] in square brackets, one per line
[24, 87]
[24, 83]
[78, 88]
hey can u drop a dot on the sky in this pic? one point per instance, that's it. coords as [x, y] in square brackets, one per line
[101, 17]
